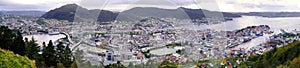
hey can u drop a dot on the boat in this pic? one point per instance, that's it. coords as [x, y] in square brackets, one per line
[54, 33]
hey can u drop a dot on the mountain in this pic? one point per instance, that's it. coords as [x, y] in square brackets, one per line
[30, 13]
[63, 13]
[198, 13]
[137, 13]
[73, 12]
[272, 14]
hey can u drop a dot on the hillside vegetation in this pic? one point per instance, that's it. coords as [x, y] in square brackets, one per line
[57, 56]
[10, 60]
[286, 56]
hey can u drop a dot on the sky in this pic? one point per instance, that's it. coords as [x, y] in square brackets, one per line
[121, 5]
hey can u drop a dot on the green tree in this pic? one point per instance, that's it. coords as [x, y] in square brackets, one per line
[43, 50]
[295, 63]
[60, 52]
[32, 49]
[118, 65]
[41, 58]
[6, 36]
[19, 44]
[270, 59]
[74, 65]
[60, 65]
[130, 65]
[167, 64]
[49, 55]
[12, 40]
[68, 58]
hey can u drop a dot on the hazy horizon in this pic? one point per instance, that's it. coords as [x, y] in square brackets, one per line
[121, 5]
[131, 8]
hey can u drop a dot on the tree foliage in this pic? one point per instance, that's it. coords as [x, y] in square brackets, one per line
[58, 56]
[118, 65]
[167, 64]
[280, 57]
[10, 60]
[12, 40]
[32, 49]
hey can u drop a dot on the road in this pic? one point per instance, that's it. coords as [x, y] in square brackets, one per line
[74, 45]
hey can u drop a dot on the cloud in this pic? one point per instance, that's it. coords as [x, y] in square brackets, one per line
[39, 5]
[4, 2]
[214, 5]
[260, 5]
[119, 5]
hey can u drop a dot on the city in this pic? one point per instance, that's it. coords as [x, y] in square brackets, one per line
[153, 40]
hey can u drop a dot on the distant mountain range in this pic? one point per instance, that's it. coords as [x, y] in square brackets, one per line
[73, 12]
[30, 13]
[136, 14]
[272, 14]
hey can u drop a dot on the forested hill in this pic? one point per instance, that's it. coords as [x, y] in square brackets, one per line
[74, 12]
[285, 57]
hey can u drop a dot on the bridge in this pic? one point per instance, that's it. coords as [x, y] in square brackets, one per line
[74, 45]
[143, 29]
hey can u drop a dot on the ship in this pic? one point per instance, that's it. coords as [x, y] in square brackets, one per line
[54, 33]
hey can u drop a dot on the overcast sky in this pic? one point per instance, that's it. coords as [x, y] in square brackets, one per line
[120, 5]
